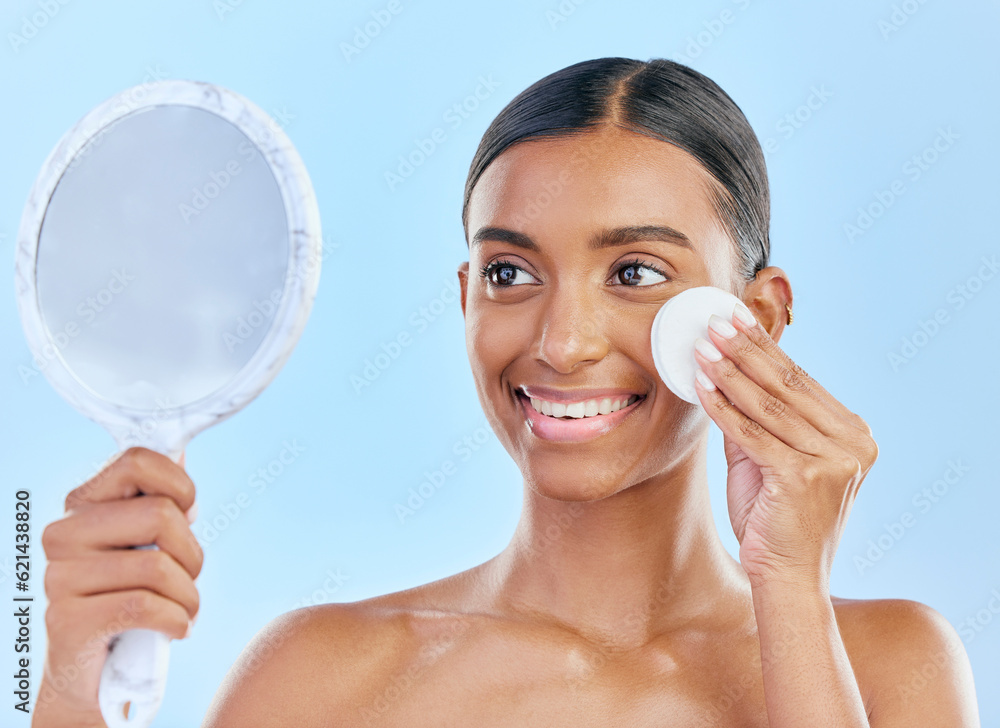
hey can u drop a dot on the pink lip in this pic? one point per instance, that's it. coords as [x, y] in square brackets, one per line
[579, 430]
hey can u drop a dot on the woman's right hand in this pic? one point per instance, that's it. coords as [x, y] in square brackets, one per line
[98, 587]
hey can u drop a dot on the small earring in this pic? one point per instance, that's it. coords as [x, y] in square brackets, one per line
[788, 308]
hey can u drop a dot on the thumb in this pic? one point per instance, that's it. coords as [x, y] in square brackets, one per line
[734, 453]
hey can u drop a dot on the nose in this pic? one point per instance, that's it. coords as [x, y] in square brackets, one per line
[573, 331]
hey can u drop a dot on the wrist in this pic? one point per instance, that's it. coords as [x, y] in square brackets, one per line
[796, 586]
[55, 712]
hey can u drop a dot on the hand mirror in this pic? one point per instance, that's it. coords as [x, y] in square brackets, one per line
[167, 261]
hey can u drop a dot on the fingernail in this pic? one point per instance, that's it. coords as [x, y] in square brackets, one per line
[192, 512]
[704, 379]
[190, 627]
[721, 326]
[743, 314]
[707, 349]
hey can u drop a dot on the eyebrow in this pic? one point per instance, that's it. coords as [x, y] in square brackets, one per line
[604, 239]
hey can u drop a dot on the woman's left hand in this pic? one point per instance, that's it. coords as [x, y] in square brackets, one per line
[796, 456]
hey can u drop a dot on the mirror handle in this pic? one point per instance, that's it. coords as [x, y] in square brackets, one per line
[134, 677]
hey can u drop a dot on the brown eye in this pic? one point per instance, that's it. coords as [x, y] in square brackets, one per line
[506, 274]
[636, 273]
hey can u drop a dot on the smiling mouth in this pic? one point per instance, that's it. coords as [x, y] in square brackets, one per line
[593, 408]
[596, 408]
[578, 421]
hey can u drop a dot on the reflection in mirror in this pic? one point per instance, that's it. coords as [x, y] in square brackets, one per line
[173, 298]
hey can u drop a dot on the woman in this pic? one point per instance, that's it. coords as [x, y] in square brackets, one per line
[615, 602]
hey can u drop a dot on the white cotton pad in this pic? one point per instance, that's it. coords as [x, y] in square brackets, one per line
[678, 323]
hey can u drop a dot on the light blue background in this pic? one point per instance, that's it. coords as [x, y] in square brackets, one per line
[392, 252]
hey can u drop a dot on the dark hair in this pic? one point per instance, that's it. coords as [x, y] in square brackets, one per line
[659, 98]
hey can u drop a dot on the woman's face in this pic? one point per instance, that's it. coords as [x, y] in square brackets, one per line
[566, 308]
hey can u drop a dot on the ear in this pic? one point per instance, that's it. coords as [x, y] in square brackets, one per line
[463, 281]
[766, 296]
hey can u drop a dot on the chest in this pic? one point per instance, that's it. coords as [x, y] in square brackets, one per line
[497, 684]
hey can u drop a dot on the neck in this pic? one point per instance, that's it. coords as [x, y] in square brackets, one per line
[626, 568]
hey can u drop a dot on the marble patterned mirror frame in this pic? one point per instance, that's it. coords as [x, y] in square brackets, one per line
[170, 427]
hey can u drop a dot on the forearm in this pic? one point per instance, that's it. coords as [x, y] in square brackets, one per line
[808, 678]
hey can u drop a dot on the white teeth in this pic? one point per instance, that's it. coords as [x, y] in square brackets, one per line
[579, 410]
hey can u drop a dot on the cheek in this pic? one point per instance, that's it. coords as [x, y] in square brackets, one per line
[495, 336]
[628, 332]
[494, 340]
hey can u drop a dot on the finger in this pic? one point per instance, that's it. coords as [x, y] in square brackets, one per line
[798, 379]
[122, 570]
[754, 404]
[136, 470]
[760, 445]
[136, 521]
[774, 377]
[113, 613]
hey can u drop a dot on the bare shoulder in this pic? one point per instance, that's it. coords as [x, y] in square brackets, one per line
[310, 666]
[909, 661]
[321, 650]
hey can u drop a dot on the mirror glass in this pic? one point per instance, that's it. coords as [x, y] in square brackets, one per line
[162, 265]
